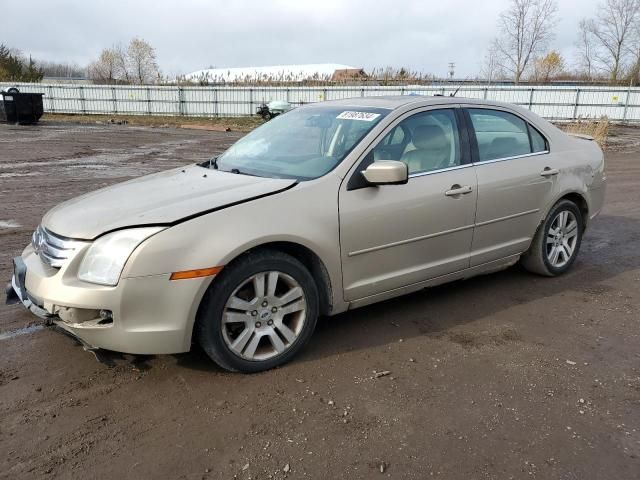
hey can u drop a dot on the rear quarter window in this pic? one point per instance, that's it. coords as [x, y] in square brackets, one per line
[538, 142]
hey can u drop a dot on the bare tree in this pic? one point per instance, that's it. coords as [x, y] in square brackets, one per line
[613, 29]
[586, 47]
[634, 53]
[525, 28]
[491, 69]
[122, 63]
[105, 68]
[141, 62]
[134, 64]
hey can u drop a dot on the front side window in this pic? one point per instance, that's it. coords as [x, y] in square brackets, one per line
[304, 143]
[426, 141]
[499, 134]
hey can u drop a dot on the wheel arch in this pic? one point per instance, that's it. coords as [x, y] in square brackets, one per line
[535, 258]
[308, 258]
[576, 197]
[302, 253]
[312, 262]
[581, 203]
[573, 196]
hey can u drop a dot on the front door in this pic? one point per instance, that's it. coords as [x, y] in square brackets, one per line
[393, 236]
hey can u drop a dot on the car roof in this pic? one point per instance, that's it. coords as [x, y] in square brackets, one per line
[393, 102]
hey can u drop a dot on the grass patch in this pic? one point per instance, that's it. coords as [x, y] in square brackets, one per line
[242, 124]
[598, 129]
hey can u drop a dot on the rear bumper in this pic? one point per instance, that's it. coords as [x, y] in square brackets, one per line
[140, 315]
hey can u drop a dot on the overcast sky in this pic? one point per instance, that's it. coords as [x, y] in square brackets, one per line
[189, 35]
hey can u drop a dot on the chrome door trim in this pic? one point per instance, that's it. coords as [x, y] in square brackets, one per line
[409, 240]
[508, 217]
[515, 157]
[447, 169]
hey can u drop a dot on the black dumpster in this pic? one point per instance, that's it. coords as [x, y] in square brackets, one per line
[23, 108]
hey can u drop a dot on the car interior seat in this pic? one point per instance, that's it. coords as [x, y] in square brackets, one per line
[432, 149]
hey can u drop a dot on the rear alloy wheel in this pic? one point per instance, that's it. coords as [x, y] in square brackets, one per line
[258, 313]
[556, 244]
[562, 238]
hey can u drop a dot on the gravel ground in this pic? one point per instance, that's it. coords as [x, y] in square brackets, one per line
[504, 376]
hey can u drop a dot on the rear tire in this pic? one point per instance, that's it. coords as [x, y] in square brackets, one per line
[258, 313]
[556, 244]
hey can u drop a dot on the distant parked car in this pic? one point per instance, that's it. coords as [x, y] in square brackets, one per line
[272, 109]
[326, 208]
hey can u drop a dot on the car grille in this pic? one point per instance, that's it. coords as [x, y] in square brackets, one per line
[53, 249]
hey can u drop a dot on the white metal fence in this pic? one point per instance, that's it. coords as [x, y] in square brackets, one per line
[553, 102]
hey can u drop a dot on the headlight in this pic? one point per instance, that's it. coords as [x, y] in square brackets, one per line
[104, 260]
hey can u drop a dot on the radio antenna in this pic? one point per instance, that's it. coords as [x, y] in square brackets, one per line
[459, 87]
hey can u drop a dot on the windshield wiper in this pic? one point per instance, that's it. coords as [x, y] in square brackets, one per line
[237, 171]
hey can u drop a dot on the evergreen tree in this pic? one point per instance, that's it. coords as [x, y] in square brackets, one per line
[14, 68]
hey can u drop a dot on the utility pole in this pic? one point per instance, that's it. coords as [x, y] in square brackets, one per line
[452, 70]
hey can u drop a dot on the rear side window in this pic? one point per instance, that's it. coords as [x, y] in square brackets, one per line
[500, 134]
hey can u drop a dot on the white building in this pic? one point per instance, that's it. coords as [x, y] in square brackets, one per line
[276, 73]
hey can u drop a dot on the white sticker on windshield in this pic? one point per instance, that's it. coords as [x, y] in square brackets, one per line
[364, 116]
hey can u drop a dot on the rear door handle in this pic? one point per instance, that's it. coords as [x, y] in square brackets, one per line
[549, 172]
[458, 190]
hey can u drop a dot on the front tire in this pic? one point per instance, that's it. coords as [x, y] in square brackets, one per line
[258, 313]
[556, 244]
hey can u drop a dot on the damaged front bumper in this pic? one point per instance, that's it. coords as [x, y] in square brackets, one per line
[17, 292]
[140, 315]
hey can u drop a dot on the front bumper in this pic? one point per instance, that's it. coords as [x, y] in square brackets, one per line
[17, 293]
[149, 314]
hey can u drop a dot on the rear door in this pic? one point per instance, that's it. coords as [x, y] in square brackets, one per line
[516, 176]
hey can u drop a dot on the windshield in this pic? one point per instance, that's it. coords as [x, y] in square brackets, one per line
[304, 143]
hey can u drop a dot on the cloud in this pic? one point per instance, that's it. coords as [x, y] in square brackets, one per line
[194, 34]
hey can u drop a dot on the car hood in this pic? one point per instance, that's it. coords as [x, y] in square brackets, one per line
[162, 198]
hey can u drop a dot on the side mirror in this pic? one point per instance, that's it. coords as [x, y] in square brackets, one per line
[386, 172]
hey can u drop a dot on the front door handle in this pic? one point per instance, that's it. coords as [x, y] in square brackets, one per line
[549, 172]
[458, 190]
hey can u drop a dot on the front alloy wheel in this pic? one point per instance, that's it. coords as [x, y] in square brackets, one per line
[264, 316]
[258, 313]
